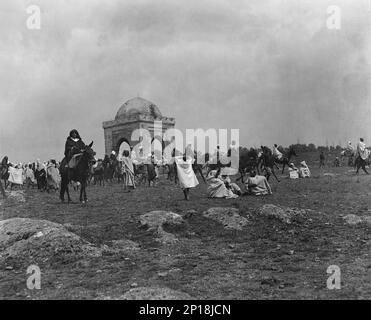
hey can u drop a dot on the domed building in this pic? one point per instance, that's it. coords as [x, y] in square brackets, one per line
[134, 114]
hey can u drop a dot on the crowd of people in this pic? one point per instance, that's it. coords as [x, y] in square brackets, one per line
[36, 174]
[46, 175]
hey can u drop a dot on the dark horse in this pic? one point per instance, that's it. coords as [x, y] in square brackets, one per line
[248, 160]
[285, 160]
[3, 175]
[360, 163]
[268, 162]
[78, 174]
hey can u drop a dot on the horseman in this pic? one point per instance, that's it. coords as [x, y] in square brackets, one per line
[276, 153]
[350, 147]
[74, 146]
[361, 155]
[362, 151]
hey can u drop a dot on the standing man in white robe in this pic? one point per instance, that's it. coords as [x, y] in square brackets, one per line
[186, 175]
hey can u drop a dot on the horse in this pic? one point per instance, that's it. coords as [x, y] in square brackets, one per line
[79, 174]
[3, 173]
[350, 154]
[248, 160]
[98, 173]
[109, 168]
[268, 161]
[361, 163]
[285, 160]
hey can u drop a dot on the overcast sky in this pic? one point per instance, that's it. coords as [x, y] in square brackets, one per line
[271, 68]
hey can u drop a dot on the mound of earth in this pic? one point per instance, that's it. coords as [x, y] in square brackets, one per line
[284, 214]
[154, 293]
[228, 217]
[352, 219]
[157, 220]
[123, 245]
[41, 242]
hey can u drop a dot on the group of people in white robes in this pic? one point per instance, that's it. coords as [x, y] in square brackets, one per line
[302, 172]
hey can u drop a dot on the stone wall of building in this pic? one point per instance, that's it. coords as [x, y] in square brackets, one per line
[117, 131]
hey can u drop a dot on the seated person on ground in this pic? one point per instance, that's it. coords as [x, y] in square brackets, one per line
[231, 185]
[216, 186]
[293, 171]
[257, 185]
[304, 170]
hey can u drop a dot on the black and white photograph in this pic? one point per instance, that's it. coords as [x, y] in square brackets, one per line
[205, 151]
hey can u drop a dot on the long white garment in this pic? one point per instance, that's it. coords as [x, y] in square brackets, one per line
[304, 172]
[293, 173]
[276, 153]
[362, 151]
[15, 175]
[186, 176]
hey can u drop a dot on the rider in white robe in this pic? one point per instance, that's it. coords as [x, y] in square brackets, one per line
[362, 151]
[276, 153]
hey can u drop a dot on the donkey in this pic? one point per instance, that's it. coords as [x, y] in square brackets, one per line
[79, 174]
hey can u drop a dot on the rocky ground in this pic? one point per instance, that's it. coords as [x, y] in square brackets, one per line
[152, 244]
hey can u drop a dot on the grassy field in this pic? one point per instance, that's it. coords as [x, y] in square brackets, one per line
[267, 260]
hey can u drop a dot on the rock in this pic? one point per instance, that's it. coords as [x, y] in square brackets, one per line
[27, 241]
[156, 220]
[228, 217]
[285, 214]
[123, 245]
[367, 220]
[352, 219]
[155, 293]
[72, 228]
[189, 213]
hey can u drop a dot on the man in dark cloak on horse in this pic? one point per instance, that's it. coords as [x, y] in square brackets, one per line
[74, 146]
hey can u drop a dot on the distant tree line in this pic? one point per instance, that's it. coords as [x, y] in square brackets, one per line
[311, 147]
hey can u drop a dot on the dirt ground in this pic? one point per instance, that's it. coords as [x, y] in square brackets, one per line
[268, 259]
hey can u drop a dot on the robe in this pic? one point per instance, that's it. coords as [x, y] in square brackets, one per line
[217, 188]
[53, 177]
[127, 170]
[15, 176]
[186, 175]
[362, 151]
